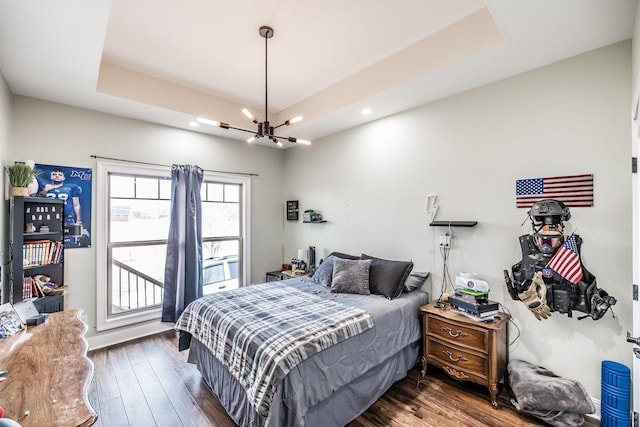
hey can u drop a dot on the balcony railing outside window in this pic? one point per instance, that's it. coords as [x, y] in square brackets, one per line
[138, 228]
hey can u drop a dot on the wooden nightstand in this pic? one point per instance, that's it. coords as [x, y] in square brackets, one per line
[464, 348]
[288, 274]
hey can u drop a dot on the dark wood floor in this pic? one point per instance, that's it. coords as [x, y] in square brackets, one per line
[147, 382]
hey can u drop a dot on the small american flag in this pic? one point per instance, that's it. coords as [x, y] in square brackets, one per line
[573, 190]
[566, 261]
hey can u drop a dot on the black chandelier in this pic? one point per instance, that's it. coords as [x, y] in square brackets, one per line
[264, 128]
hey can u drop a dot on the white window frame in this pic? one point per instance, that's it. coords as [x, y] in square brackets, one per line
[103, 321]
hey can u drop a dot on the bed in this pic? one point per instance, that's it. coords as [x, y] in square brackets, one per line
[334, 382]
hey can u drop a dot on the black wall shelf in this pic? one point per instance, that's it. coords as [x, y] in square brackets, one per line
[315, 222]
[454, 223]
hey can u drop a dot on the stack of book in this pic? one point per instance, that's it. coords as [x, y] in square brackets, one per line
[41, 252]
[475, 304]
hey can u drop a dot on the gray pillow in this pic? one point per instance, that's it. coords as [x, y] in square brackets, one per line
[324, 272]
[387, 277]
[350, 276]
[343, 255]
[536, 387]
[415, 280]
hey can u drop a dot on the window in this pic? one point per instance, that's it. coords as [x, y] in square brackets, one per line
[222, 239]
[134, 206]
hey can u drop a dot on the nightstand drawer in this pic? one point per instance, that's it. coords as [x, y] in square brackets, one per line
[458, 358]
[458, 334]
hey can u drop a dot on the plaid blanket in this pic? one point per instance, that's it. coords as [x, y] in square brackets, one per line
[261, 332]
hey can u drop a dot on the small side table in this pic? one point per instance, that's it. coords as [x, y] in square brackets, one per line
[288, 274]
[274, 276]
[466, 349]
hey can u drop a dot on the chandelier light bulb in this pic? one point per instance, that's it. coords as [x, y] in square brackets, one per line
[207, 121]
[249, 115]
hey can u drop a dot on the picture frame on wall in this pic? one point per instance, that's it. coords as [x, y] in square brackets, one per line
[292, 210]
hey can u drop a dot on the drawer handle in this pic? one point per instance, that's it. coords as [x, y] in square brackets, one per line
[456, 335]
[460, 358]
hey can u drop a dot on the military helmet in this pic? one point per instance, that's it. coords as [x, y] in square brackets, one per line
[549, 212]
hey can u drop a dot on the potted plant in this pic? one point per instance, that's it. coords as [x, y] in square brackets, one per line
[20, 176]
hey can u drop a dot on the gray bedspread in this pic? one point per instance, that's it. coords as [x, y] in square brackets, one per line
[261, 332]
[361, 367]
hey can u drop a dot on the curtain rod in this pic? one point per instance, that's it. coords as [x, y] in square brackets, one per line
[156, 164]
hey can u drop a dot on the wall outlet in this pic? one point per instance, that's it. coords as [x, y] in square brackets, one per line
[445, 240]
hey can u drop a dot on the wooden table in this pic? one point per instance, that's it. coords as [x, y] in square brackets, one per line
[288, 274]
[464, 348]
[49, 374]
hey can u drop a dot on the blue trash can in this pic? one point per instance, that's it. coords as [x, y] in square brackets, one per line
[615, 395]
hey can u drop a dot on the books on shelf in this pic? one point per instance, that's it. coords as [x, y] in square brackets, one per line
[41, 252]
[27, 288]
[40, 286]
[31, 288]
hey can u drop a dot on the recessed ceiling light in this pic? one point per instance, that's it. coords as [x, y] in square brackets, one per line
[194, 123]
[366, 111]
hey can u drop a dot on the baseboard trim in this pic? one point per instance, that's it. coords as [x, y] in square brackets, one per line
[117, 336]
[597, 415]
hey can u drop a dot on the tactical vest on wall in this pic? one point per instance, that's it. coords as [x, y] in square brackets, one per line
[562, 295]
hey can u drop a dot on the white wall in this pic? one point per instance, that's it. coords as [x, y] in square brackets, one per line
[5, 155]
[52, 133]
[635, 68]
[567, 118]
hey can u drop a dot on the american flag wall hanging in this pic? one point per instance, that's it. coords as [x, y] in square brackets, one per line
[573, 190]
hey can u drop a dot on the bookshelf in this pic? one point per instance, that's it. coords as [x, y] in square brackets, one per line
[36, 249]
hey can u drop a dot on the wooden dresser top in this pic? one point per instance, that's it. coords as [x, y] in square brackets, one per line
[447, 313]
[48, 373]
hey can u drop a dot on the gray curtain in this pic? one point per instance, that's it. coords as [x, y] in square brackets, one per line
[183, 270]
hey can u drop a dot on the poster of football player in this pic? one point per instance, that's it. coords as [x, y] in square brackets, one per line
[73, 185]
